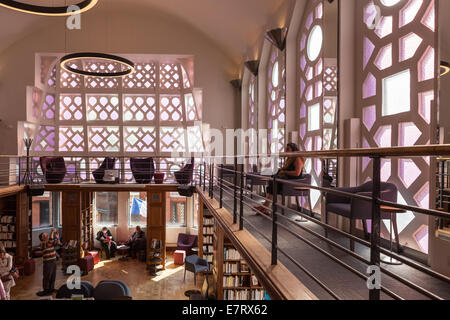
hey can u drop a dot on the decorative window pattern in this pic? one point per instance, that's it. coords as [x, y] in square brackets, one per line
[73, 115]
[276, 101]
[143, 78]
[397, 93]
[315, 134]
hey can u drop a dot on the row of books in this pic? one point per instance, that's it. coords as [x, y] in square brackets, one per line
[231, 254]
[230, 267]
[208, 230]
[235, 281]
[209, 258]
[7, 236]
[254, 280]
[7, 219]
[9, 244]
[208, 221]
[246, 294]
[208, 239]
[8, 228]
[208, 249]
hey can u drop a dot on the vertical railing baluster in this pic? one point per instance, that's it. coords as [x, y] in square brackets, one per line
[221, 187]
[235, 191]
[374, 293]
[241, 201]
[441, 191]
[204, 176]
[274, 221]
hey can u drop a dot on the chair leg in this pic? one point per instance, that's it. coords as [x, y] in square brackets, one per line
[366, 233]
[326, 222]
[397, 238]
[283, 203]
[299, 208]
[251, 190]
[310, 206]
[184, 274]
[195, 279]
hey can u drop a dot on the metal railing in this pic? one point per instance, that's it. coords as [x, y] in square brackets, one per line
[213, 179]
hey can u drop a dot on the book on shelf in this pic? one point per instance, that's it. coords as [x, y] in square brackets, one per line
[208, 239]
[230, 267]
[156, 244]
[255, 281]
[231, 254]
[208, 230]
[208, 249]
[208, 221]
[236, 294]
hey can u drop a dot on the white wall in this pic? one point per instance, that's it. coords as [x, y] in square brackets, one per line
[123, 32]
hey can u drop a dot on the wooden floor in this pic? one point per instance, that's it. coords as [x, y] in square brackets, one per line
[344, 283]
[168, 286]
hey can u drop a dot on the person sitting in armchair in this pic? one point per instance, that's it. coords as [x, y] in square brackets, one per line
[108, 244]
[136, 242]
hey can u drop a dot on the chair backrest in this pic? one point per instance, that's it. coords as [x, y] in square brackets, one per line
[86, 289]
[146, 164]
[389, 191]
[110, 290]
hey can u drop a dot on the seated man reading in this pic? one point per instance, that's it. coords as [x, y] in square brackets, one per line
[136, 242]
[108, 244]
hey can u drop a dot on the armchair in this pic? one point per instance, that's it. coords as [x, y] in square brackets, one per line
[142, 169]
[355, 209]
[54, 169]
[184, 176]
[111, 290]
[108, 164]
[288, 190]
[196, 265]
[255, 181]
[186, 242]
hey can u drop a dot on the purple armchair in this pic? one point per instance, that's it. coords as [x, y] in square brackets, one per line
[54, 169]
[184, 176]
[186, 242]
[108, 164]
[355, 209]
[142, 169]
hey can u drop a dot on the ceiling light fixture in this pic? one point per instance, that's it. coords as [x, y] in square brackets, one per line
[445, 68]
[237, 84]
[66, 60]
[277, 37]
[83, 6]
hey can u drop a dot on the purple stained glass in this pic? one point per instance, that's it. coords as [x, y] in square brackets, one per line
[369, 47]
[369, 86]
[369, 116]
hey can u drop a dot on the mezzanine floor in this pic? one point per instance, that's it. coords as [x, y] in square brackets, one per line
[341, 281]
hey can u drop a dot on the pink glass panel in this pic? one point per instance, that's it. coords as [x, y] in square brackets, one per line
[384, 28]
[408, 172]
[409, 12]
[369, 86]
[409, 134]
[369, 116]
[409, 45]
[425, 99]
[368, 51]
[426, 65]
[428, 19]
[383, 137]
[421, 237]
[384, 57]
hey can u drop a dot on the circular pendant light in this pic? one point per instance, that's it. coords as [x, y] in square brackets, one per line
[445, 68]
[77, 57]
[83, 6]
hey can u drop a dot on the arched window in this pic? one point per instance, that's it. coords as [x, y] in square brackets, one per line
[276, 101]
[396, 98]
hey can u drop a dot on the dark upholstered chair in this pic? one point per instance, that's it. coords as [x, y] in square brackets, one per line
[288, 190]
[355, 209]
[207, 293]
[111, 290]
[142, 169]
[108, 164]
[86, 290]
[252, 182]
[54, 169]
[196, 265]
[186, 242]
[184, 176]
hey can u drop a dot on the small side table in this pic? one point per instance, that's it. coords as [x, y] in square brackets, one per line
[195, 250]
[391, 211]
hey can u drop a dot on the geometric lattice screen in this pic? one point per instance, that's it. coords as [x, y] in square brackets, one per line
[252, 122]
[311, 92]
[152, 112]
[397, 93]
[276, 101]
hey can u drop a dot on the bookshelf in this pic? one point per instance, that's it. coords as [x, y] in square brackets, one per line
[206, 237]
[14, 225]
[156, 231]
[232, 277]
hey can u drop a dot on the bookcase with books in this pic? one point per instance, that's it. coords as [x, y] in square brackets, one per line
[238, 281]
[206, 238]
[14, 225]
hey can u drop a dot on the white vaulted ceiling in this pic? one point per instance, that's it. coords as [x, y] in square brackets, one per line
[236, 26]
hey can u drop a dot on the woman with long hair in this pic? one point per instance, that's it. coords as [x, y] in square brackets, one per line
[292, 170]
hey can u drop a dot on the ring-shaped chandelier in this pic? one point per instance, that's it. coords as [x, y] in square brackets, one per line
[83, 6]
[445, 68]
[66, 60]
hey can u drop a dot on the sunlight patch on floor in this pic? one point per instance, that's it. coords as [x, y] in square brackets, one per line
[171, 269]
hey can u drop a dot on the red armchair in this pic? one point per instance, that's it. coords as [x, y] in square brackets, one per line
[186, 242]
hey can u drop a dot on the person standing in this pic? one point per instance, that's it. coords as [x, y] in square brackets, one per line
[6, 265]
[49, 269]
